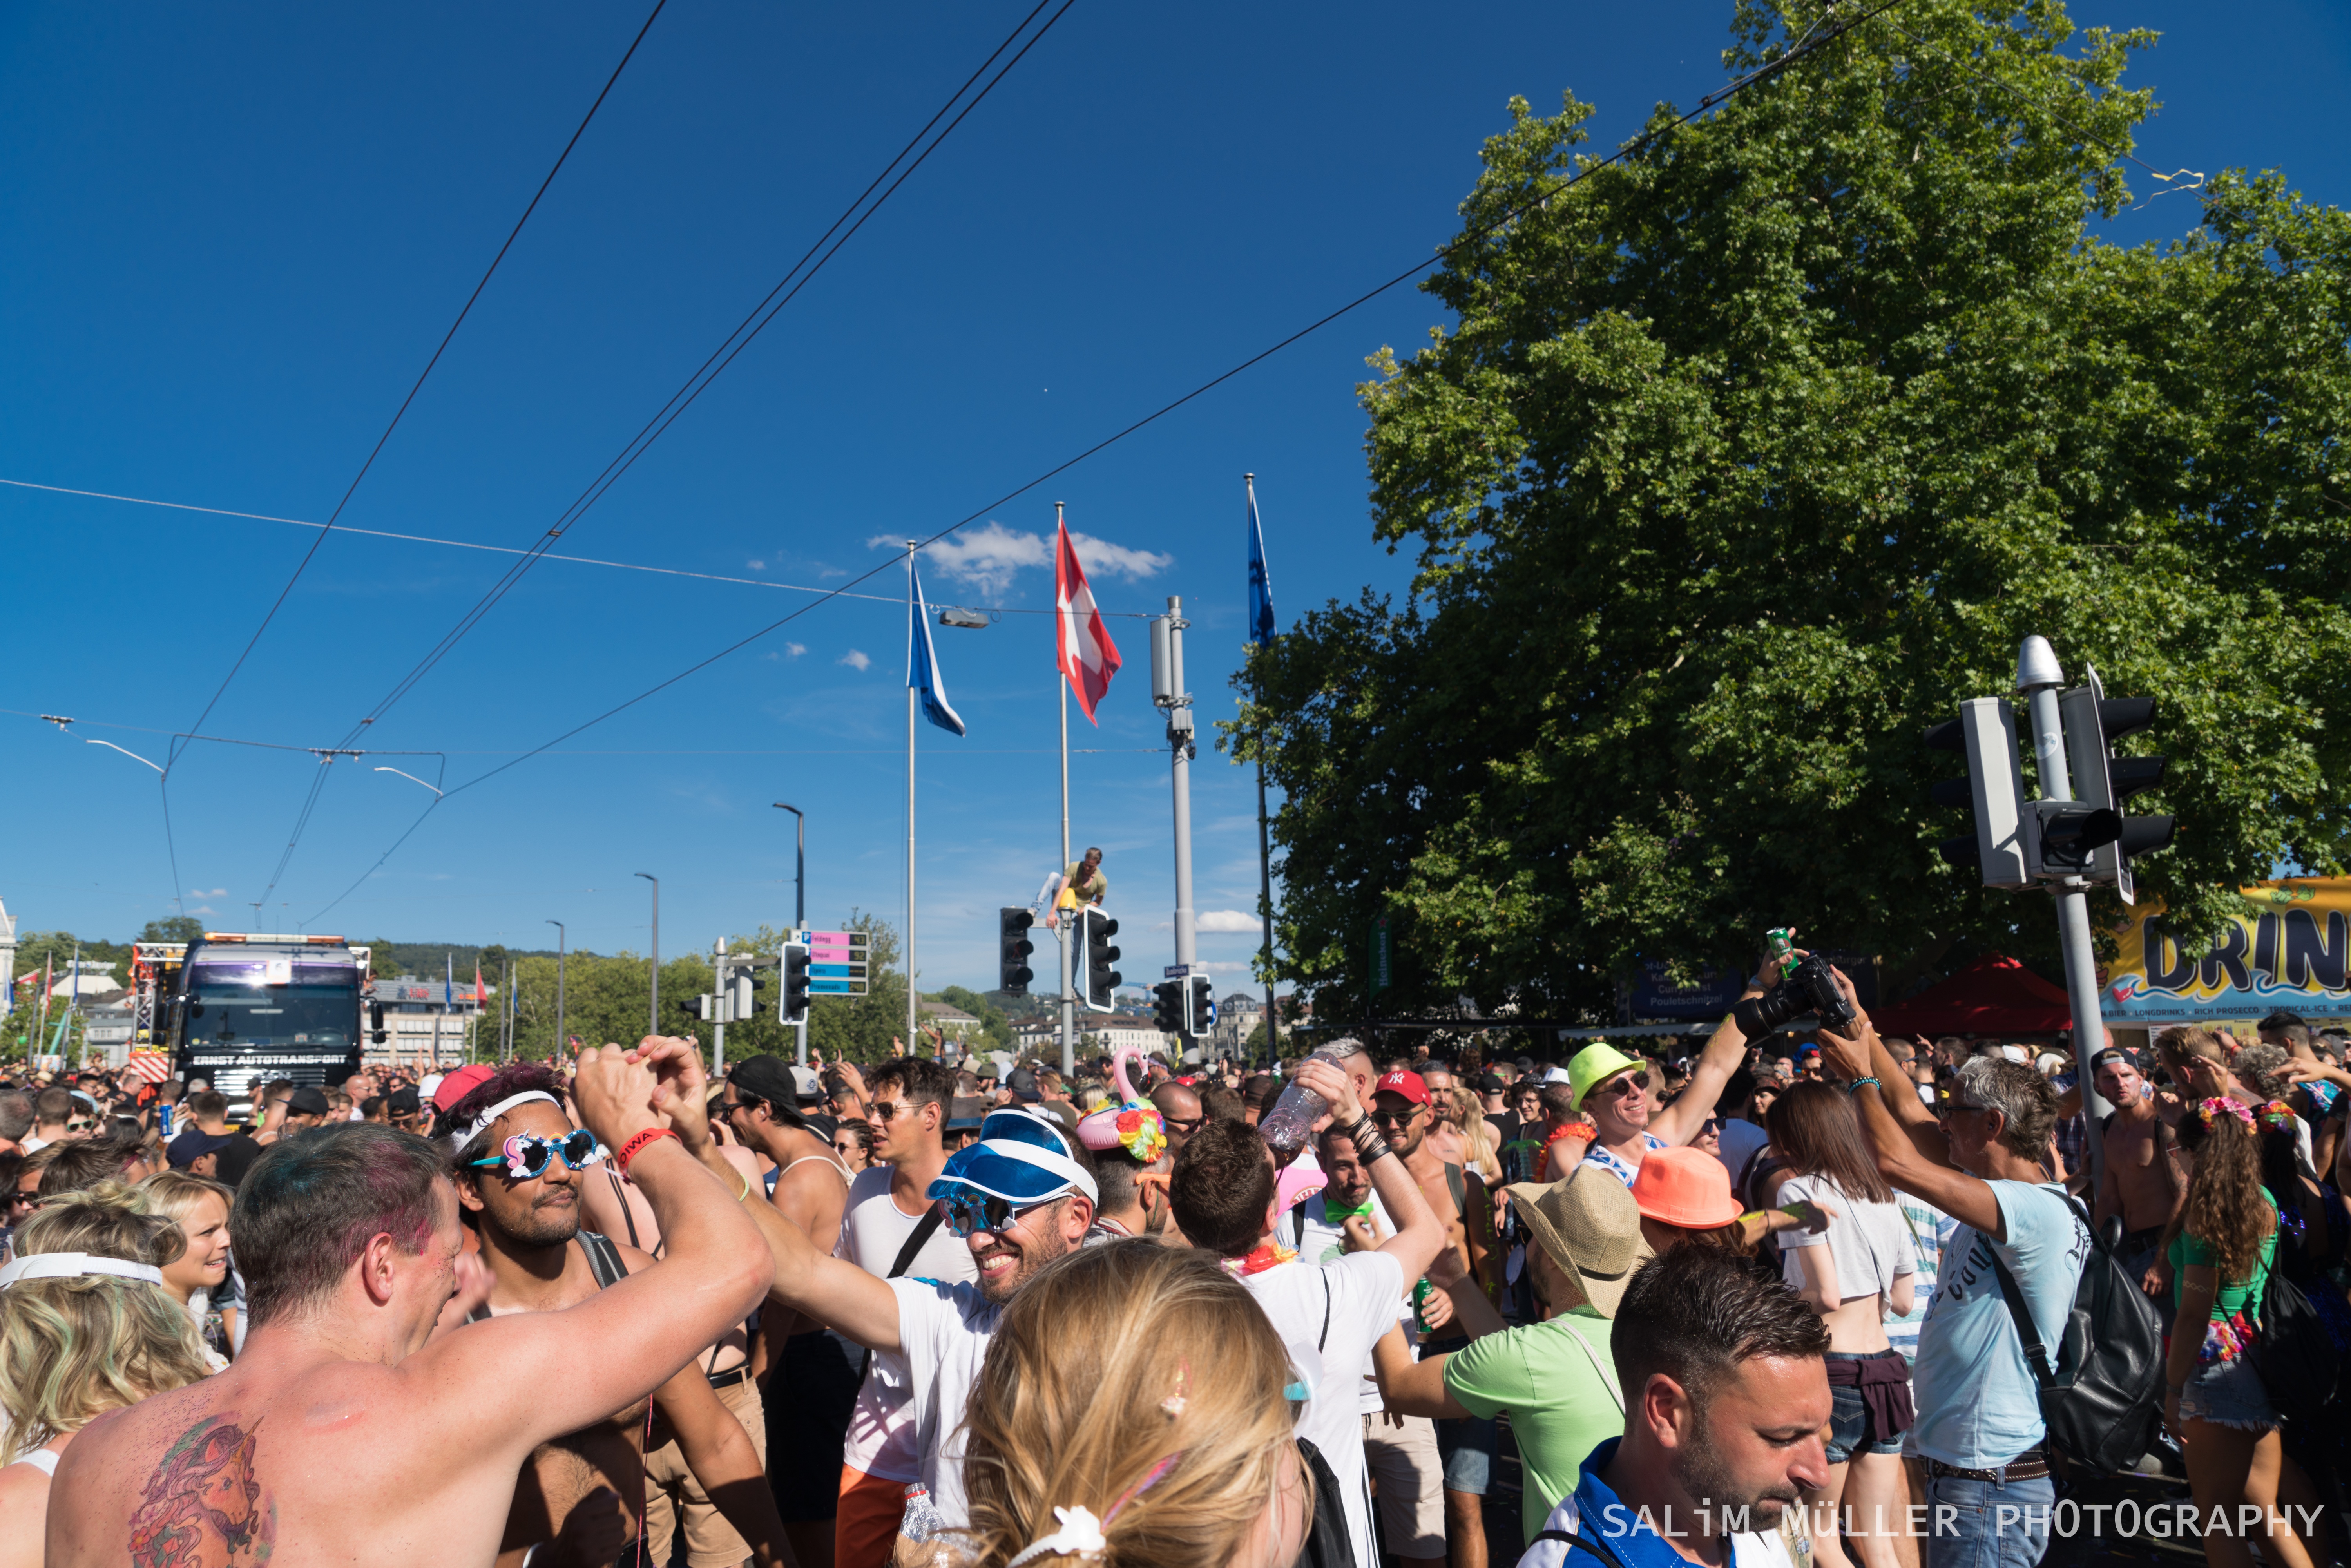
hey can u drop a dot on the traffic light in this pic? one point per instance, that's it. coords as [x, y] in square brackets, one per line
[375, 1021]
[1012, 951]
[705, 1008]
[2103, 781]
[743, 985]
[792, 1001]
[1097, 980]
[1199, 1006]
[1168, 1006]
[1993, 789]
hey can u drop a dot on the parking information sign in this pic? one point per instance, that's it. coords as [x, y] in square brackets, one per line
[836, 962]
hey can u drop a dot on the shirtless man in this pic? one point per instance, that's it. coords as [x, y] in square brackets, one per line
[342, 1435]
[519, 1191]
[2142, 1180]
[1612, 1091]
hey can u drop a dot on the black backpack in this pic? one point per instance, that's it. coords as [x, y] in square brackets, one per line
[2104, 1400]
[2295, 1356]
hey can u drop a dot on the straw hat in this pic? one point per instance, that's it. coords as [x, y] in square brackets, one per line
[1588, 1225]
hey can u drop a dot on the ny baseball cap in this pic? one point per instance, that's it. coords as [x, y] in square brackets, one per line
[1404, 1082]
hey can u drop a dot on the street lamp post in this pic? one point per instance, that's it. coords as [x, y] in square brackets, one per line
[560, 1040]
[800, 867]
[655, 1028]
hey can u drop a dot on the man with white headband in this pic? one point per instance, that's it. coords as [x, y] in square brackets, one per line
[1019, 1198]
[347, 1430]
[519, 1167]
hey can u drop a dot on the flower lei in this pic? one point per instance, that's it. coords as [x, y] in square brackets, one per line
[1140, 1132]
[2218, 1106]
[2278, 1114]
[1265, 1255]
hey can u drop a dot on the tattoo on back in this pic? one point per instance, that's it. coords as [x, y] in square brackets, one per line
[203, 1506]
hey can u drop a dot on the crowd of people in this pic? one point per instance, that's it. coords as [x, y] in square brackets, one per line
[1775, 1303]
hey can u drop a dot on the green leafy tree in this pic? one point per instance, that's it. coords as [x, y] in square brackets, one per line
[1746, 459]
[172, 928]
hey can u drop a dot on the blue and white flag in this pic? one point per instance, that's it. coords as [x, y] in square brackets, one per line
[1260, 592]
[922, 664]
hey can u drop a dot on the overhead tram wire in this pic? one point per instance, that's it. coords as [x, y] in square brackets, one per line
[1805, 46]
[811, 262]
[797, 277]
[376, 450]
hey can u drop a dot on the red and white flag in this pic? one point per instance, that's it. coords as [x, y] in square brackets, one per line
[1087, 655]
[481, 996]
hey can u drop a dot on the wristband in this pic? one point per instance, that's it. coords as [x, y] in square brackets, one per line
[1371, 1148]
[1854, 1087]
[638, 1144]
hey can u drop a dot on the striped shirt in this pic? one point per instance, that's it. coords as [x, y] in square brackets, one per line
[1926, 1222]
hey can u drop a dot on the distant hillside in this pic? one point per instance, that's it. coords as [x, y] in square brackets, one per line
[426, 959]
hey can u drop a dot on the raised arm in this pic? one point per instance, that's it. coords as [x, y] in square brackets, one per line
[1412, 1387]
[1903, 1154]
[566, 1369]
[1678, 1122]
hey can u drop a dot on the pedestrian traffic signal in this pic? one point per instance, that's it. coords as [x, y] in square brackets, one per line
[705, 1008]
[1199, 1006]
[1993, 789]
[1097, 982]
[1013, 949]
[1168, 1006]
[2103, 781]
[743, 987]
[792, 1001]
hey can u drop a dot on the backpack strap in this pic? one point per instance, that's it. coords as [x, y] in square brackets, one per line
[2036, 1355]
[1321, 1338]
[603, 1259]
[924, 1229]
[621, 1197]
[1298, 1224]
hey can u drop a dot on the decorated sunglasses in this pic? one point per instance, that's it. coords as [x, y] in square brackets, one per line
[526, 1156]
[968, 1212]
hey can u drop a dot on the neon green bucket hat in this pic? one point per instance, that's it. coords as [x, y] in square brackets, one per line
[1592, 1065]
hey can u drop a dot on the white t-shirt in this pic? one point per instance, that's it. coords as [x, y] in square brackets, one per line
[945, 1330]
[1319, 1241]
[1332, 1314]
[881, 1439]
[1870, 1242]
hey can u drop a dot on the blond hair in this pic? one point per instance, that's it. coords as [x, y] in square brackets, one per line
[1177, 1361]
[1466, 1113]
[71, 1350]
[176, 1193]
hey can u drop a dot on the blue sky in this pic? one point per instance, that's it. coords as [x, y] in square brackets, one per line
[236, 233]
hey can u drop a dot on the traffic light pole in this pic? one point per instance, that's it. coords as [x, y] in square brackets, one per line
[718, 1025]
[2038, 676]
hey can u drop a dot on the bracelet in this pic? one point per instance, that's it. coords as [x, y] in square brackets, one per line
[1371, 1148]
[1854, 1087]
[638, 1144]
[1353, 1130]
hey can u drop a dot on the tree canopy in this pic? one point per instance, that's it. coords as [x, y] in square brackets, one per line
[1745, 459]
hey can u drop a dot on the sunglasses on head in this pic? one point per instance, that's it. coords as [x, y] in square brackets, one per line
[526, 1156]
[968, 1212]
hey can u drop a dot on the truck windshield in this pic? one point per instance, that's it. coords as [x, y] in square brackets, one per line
[236, 1003]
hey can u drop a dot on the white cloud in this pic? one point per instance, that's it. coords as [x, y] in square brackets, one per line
[1227, 920]
[794, 650]
[1224, 969]
[758, 566]
[200, 892]
[987, 557]
[204, 909]
[856, 661]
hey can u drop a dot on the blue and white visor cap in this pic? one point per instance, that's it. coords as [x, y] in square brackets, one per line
[1022, 1158]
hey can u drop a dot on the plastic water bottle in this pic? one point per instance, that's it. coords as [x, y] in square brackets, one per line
[1290, 1123]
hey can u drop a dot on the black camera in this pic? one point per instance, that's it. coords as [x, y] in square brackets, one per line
[1812, 988]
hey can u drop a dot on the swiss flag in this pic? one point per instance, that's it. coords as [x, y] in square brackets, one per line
[1087, 655]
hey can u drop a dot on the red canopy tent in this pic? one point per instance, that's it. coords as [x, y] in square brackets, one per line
[1991, 996]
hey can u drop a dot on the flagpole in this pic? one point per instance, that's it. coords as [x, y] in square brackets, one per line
[1264, 850]
[913, 1043]
[1061, 680]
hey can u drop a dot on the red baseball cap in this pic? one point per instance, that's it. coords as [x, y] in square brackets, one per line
[456, 1085]
[1404, 1082]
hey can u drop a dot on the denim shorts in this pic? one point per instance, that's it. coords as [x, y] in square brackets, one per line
[1852, 1428]
[1466, 1447]
[2228, 1393]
